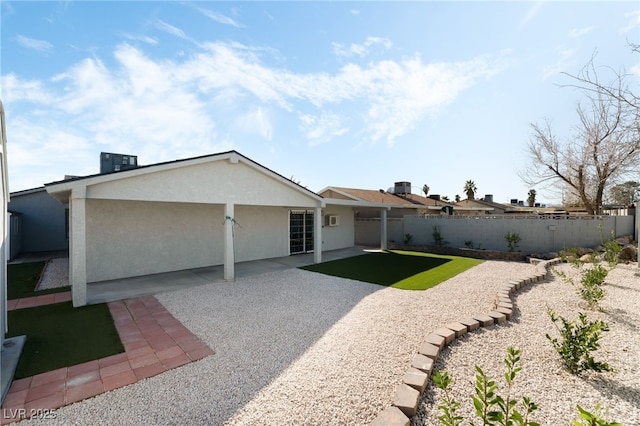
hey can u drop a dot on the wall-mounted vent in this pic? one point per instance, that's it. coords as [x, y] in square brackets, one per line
[331, 220]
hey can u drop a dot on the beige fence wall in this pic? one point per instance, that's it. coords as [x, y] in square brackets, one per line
[537, 234]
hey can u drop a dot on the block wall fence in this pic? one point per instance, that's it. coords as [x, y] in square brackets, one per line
[538, 234]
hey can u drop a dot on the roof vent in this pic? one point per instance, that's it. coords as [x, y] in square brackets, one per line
[434, 197]
[116, 162]
[402, 188]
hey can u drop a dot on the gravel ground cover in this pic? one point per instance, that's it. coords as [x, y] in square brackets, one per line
[543, 378]
[294, 347]
[297, 347]
[56, 274]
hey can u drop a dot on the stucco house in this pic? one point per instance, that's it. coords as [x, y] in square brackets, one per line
[399, 200]
[212, 210]
[39, 223]
[484, 206]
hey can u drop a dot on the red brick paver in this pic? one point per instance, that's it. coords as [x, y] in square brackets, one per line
[154, 342]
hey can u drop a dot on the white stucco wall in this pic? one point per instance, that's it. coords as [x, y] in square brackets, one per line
[132, 238]
[216, 182]
[341, 236]
[261, 232]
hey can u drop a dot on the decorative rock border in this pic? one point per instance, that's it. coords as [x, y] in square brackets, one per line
[415, 381]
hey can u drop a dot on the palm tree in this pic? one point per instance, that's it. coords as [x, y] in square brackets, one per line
[470, 188]
[531, 199]
[457, 198]
[425, 189]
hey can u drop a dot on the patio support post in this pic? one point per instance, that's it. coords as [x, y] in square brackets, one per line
[317, 235]
[78, 246]
[229, 251]
[383, 229]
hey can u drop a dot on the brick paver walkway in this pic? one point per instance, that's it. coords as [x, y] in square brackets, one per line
[154, 342]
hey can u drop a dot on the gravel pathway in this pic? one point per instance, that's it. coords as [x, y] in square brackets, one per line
[296, 347]
[55, 274]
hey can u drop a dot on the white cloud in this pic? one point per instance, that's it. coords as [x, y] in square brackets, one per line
[360, 49]
[532, 12]
[634, 21]
[143, 38]
[256, 121]
[579, 32]
[32, 43]
[220, 18]
[161, 110]
[15, 89]
[322, 128]
[562, 63]
[170, 29]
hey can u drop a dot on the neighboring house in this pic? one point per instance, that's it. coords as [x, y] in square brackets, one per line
[400, 202]
[377, 214]
[397, 206]
[485, 206]
[38, 222]
[212, 210]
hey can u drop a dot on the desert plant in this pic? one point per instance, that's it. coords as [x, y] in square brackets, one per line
[449, 406]
[437, 236]
[512, 238]
[587, 418]
[577, 341]
[611, 249]
[591, 290]
[407, 238]
[491, 408]
[469, 243]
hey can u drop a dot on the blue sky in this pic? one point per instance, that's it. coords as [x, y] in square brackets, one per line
[354, 94]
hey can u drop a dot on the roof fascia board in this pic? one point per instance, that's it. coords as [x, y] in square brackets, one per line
[346, 194]
[358, 203]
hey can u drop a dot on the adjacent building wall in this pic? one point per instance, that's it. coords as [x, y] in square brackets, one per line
[367, 231]
[342, 235]
[43, 223]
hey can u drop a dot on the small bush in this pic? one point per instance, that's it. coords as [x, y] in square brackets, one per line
[491, 408]
[437, 236]
[407, 238]
[577, 341]
[592, 419]
[591, 290]
[513, 239]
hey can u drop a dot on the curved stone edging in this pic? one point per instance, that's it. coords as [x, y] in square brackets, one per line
[415, 381]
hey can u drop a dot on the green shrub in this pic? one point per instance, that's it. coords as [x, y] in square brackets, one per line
[513, 238]
[577, 341]
[491, 408]
[592, 419]
[591, 290]
[437, 236]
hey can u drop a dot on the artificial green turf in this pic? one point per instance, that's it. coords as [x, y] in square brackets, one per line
[399, 269]
[60, 335]
[22, 279]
